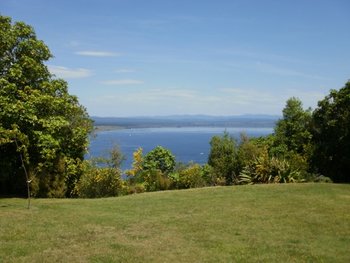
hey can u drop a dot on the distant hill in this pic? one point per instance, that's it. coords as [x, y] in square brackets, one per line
[188, 121]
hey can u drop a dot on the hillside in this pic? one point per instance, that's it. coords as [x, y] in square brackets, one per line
[260, 223]
[188, 121]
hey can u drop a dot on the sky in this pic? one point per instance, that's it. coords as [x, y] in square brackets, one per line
[173, 57]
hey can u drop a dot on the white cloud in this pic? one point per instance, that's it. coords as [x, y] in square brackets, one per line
[97, 53]
[123, 82]
[156, 101]
[224, 101]
[69, 73]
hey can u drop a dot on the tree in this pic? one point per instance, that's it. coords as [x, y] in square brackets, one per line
[136, 164]
[331, 135]
[114, 161]
[223, 157]
[49, 125]
[161, 159]
[292, 132]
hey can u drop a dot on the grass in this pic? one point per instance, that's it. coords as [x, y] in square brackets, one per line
[260, 223]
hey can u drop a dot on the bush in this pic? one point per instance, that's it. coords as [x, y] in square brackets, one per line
[248, 150]
[223, 157]
[154, 180]
[57, 181]
[210, 177]
[135, 188]
[269, 170]
[100, 182]
[191, 177]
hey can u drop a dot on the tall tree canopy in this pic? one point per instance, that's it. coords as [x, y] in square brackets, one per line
[39, 119]
[293, 130]
[331, 135]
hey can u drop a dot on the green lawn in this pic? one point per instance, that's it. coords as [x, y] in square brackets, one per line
[260, 223]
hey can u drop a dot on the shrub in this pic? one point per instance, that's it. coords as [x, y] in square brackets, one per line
[136, 164]
[191, 177]
[154, 180]
[223, 157]
[210, 176]
[269, 170]
[100, 182]
[135, 188]
[248, 150]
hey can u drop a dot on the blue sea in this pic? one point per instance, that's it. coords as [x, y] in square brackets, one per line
[186, 143]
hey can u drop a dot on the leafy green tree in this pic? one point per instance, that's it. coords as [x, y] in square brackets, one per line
[48, 124]
[331, 135]
[223, 157]
[292, 132]
[161, 159]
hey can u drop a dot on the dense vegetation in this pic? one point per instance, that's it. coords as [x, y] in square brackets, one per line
[44, 134]
[303, 148]
[43, 129]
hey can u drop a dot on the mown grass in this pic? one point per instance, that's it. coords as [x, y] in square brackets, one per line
[260, 223]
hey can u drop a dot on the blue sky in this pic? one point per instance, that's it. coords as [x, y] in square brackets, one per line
[218, 57]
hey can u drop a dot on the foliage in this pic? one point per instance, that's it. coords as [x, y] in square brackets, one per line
[116, 158]
[159, 159]
[137, 163]
[291, 141]
[101, 177]
[331, 135]
[150, 172]
[99, 182]
[248, 150]
[134, 188]
[74, 170]
[49, 124]
[210, 177]
[223, 157]
[191, 177]
[154, 180]
[269, 170]
[292, 132]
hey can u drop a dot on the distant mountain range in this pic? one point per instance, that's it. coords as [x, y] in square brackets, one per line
[250, 120]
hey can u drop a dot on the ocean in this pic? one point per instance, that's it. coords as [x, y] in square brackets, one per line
[186, 143]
